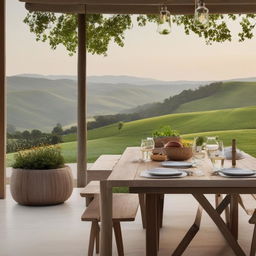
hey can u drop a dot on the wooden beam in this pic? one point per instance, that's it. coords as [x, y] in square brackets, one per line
[2, 100]
[81, 104]
[137, 9]
[141, 2]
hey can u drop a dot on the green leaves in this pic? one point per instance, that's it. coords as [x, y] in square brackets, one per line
[102, 29]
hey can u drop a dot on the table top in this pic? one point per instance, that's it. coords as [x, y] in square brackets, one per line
[128, 169]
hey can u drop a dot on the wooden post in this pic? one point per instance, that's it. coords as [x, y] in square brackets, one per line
[81, 104]
[2, 100]
[234, 153]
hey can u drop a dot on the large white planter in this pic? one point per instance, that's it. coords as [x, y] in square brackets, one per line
[41, 187]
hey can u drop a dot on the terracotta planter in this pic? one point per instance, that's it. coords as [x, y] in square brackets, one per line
[161, 141]
[41, 187]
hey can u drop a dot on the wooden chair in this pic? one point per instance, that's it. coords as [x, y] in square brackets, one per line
[248, 203]
[125, 208]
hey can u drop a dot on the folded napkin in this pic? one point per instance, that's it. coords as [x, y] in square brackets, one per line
[228, 153]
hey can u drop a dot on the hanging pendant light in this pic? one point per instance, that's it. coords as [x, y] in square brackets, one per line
[201, 18]
[164, 22]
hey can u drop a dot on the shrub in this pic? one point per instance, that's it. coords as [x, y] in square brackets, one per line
[47, 157]
[165, 131]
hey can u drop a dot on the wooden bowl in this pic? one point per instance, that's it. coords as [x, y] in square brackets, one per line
[178, 154]
[161, 141]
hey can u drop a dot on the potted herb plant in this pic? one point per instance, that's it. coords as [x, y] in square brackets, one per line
[199, 143]
[39, 177]
[165, 134]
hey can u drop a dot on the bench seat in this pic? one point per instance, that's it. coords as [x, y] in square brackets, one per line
[125, 208]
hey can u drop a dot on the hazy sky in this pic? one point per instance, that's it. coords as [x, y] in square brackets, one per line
[145, 54]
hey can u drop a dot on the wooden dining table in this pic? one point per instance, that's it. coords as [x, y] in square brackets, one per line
[127, 173]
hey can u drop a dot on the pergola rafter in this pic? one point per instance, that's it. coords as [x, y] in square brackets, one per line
[136, 9]
[81, 7]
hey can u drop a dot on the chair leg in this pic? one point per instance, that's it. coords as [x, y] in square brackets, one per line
[118, 236]
[98, 239]
[253, 245]
[92, 237]
[142, 209]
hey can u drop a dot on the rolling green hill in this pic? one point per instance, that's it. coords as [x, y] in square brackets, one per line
[227, 124]
[231, 95]
[216, 120]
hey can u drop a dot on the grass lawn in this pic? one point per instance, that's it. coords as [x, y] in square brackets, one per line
[246, 140]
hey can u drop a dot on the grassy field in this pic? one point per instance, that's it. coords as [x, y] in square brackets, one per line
[227, 124]
[115, 145]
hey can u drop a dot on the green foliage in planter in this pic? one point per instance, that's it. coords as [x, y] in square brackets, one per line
[47, 157]
[165, 131]
[200, 141]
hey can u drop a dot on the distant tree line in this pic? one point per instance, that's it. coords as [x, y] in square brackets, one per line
[17, 140]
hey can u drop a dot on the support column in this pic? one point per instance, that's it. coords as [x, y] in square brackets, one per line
[2, 100]
[81, 103]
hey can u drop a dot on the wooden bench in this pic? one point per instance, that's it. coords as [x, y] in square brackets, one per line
[248, 203]
[100, 170]
[102, 167]
[125, 208]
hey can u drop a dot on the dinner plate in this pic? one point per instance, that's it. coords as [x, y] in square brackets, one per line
[145, 174]
[164, 172]
[177, 164]
[237, 172]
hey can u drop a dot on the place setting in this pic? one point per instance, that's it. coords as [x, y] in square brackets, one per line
[218, 154]
[177, 158]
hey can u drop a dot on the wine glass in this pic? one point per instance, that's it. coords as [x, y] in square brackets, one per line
[147, 146]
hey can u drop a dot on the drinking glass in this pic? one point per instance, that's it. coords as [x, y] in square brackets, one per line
[211, 146]
[218, 157]
[198, 153]
[198, 156]
[147, 146]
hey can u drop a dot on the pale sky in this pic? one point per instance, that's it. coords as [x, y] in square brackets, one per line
[145, 54]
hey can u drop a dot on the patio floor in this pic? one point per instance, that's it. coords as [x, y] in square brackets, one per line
[58, 231]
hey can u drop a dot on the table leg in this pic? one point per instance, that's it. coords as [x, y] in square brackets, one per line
[106, 218]
[218, 200]
[161, 210]
[152, 225]
[220, 224]
[234, 215]
[142, 209]
[190, 234]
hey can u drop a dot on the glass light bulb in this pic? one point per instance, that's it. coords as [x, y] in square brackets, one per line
[164, 22]
[201, 18]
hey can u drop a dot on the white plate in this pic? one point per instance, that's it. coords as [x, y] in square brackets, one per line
[164, 172]
[237, 177]
[237, 172]
[177, 164]
[145, 174]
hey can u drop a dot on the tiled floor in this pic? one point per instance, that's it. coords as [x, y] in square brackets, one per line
[58, 231]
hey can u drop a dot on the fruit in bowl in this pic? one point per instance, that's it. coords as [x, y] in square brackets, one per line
[179, 151]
